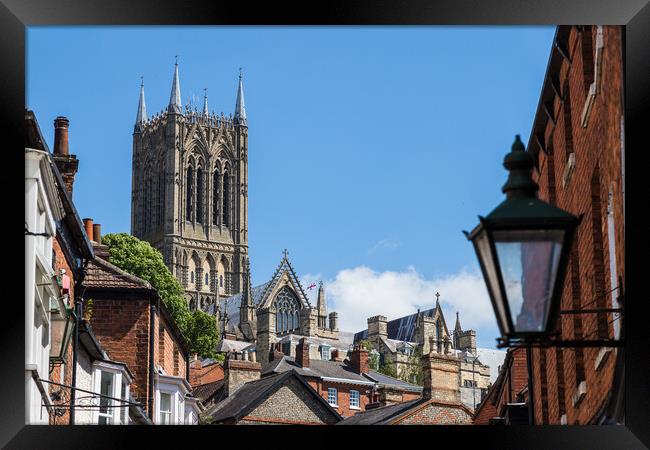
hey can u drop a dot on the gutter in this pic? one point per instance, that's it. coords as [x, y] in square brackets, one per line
[348, 381]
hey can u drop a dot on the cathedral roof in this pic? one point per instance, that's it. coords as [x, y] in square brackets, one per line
[403, 328]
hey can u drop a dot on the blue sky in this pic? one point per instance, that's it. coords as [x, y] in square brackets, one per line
[370, 148]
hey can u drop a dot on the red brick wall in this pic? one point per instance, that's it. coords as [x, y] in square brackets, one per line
[203, 375]
[168, 353]
[343, 395]
[122, 328]
[60, 262]
[597, 148]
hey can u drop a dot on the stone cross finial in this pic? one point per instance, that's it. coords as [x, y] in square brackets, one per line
[437, 297]
[285, 253]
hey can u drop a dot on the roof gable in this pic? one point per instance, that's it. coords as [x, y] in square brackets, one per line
[252, 394]
[284, 275]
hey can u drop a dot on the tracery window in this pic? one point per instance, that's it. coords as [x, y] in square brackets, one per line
[161, 197]
[286, 310]
[226, 199]
[199, 195]
[215, 198]
[190, 188]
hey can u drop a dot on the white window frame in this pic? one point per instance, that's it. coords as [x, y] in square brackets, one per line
[325, 352]
[357, 403]
[170, 412]
[177, 387]
[119, 375]
[333, 392]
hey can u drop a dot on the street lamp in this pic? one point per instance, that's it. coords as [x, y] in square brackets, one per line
[523, 247]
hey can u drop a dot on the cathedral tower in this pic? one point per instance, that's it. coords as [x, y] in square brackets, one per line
[189, 193]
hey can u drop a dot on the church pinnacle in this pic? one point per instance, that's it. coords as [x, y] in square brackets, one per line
[240, 107]
[141, 117]
[175, 98]
[205, 102]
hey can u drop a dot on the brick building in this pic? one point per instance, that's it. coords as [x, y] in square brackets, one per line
[133, 325]
[349, 385]
[577, 143]
[440, 403]
[279, 399]
[206, 370]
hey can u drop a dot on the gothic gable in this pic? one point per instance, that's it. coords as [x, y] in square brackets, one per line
[284, 276]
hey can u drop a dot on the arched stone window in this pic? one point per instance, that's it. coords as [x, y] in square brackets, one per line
[189, 191]
[226, 199]
[215, 197]
[192, 277]
[199, 195]
[161, 197]
[286, 310]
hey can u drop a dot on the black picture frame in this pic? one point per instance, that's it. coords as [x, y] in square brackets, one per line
[15, 15]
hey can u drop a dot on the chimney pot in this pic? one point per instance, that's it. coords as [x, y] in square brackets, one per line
[61, 125]
[88, 224]
[97, 233]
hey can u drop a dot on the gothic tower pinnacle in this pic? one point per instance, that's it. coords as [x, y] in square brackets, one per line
[240, 107]
[141, 117]
[175, 98]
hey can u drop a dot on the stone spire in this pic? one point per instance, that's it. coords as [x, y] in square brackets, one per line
[240, 108]
[141, 117]
[206, 112]
[457, 328]
[321, 305]
[175, 98]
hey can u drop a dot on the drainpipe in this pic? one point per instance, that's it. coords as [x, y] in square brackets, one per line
[152, 315]
[531, 390]
[78, 311]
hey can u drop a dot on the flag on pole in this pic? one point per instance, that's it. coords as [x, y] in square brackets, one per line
[311, 286]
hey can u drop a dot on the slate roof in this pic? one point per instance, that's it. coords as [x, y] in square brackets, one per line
[401, 329]
[315, 340]
[251, 394]
[386, 415]
[381, 415]
[334, 369]
[229, 345]
[234, 302]
[102, 274]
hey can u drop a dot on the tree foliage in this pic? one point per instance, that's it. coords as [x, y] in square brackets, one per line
[373, 355]
[388, 369]
[139, 258]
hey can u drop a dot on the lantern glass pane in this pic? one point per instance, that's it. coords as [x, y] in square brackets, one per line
[485, 254]
[529, 261]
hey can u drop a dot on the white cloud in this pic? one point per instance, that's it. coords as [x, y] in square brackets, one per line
[361, 292]
[388, 244]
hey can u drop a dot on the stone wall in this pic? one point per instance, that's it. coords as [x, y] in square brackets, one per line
[290, 404]
[437, 414]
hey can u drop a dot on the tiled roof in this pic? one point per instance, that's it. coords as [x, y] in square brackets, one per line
[102, 274]
[205, 391]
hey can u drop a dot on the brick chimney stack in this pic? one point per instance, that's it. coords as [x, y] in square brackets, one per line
[88, 225]
[441, 373]
[97, 233]
[302, 353]
[238, 371]
[359, 360]
[66, 163]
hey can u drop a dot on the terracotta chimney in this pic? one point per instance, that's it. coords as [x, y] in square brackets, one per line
[88, 224]
[302, 353]
[97, 233]
[359, 359]
[66, 163]
[61, 125]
